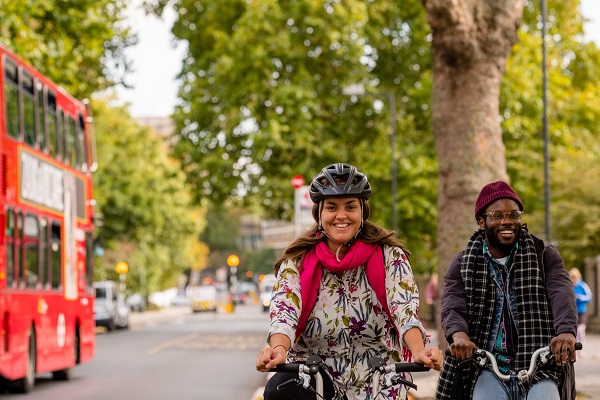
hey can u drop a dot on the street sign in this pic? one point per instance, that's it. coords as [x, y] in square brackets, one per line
[297, 181]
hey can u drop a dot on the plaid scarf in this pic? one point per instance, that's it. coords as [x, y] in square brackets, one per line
[533, 313]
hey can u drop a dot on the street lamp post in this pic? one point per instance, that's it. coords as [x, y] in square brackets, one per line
[357, 89]
[297, 181]
[545, 126]
[122, 268]
[232, 261]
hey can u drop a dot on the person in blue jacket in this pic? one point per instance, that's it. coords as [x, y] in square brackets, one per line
[583, 295]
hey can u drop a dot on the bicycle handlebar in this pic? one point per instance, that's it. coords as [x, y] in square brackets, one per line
[311, 367]
[304, 371]
[295, 368]
[544, 354]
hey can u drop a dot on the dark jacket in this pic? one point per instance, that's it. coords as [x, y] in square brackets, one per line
[470, 292]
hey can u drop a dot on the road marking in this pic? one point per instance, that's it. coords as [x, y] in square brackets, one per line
[197, 341]
[226, 342]
[171, 343]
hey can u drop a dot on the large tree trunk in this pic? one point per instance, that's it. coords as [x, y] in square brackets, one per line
[472, 40]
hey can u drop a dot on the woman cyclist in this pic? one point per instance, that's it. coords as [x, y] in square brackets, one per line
[346, 293]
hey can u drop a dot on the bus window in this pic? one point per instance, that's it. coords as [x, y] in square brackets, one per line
[81, 147]
[31, 231]
[28, 109]
[10, 247]
[41, 120]
[61, 136]
[89, 260]
[65, 139]
[72, 153]
[56, 256]
[52, 125]
[44, 253]
[18, 236]
[11, 98]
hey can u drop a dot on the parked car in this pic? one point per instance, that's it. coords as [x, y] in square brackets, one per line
[266, 291]
[110, 309]
[135, 302]
[203, 298]
[181, 299]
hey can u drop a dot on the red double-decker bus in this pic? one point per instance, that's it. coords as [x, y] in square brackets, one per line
[46, 227]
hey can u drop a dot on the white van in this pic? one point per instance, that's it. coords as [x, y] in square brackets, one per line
[110, 309]
[203, 298]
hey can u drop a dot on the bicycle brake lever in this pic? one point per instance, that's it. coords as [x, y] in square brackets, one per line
[287, 383]
[546, 357]
[480, 360]
[396, 380]
[304, 380]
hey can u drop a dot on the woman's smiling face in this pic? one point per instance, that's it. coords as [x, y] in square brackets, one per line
[341, 218]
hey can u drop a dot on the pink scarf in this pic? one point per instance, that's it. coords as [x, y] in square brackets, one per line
[360, 253]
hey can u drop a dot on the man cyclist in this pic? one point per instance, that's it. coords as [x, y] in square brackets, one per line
[508, 294]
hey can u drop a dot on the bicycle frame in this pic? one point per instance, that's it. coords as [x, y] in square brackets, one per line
[485, 359]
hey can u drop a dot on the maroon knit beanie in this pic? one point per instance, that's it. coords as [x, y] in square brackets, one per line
[494, 191]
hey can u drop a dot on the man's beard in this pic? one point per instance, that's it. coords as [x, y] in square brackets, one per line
[495, 242]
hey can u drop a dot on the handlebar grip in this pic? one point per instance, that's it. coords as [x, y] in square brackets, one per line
[410, 367]
[287, 367]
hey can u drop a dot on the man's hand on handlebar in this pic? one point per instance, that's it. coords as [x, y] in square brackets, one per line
[462, 347]
[563, 347]
[270, 357]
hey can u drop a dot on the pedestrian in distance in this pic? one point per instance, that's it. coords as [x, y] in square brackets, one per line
[345, 292]
[431, 296]
[509, 294]
[583, 295]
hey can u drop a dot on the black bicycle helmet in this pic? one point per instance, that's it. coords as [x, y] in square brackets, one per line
[339, 180]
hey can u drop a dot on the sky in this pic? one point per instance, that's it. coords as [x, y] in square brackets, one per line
[156, 60]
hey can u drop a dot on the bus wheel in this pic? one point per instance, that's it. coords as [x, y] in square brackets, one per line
[77, 346]
[25, 384]
[62, 375]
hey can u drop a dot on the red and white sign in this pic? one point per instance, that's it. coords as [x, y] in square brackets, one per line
[297, 181]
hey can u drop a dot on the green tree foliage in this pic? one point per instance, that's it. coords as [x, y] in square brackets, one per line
[78, 44]
[573, 67]
[146, 204]
[262, 100]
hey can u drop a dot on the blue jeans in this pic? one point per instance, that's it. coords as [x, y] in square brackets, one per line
[488, 387]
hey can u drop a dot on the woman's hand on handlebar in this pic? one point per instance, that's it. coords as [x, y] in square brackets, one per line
[563, 347]
[462, 347]
[270, 357]
[431, 357]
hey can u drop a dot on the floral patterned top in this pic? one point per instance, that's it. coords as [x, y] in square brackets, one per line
[347, 325]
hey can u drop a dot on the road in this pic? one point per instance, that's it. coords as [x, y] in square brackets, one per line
[169, 355]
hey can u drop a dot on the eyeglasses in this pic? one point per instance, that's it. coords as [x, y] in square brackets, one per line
[499, 215]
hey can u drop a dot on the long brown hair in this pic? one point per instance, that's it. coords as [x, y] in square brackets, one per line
[370, 233]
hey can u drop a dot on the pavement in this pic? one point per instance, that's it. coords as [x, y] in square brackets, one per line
[587, 374]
